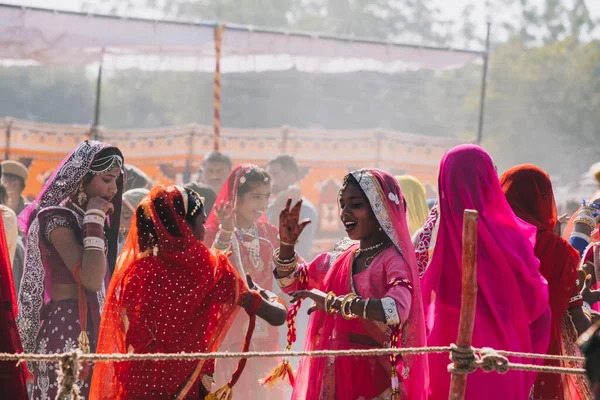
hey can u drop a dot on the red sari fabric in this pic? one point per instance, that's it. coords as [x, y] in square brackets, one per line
[263, 241]
[12, 377]
[169, 294]
[529, 192]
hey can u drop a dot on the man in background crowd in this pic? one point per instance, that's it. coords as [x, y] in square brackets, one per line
[285, 176]
[216, 167]
[14, 176]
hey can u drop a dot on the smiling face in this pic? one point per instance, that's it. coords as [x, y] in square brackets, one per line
[252, 204]
[103, 185]
[356, 213]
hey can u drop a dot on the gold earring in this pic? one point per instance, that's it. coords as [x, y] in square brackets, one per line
[81, 196]
[380, 229]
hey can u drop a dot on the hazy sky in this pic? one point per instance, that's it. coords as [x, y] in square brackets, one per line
[450, 8]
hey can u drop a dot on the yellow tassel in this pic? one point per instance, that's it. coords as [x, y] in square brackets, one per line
[225, 393]
[84, 342]
[280, 372]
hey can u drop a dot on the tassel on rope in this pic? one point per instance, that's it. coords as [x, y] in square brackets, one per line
[84, 342]
[395, 341]
[67, 377]
[285, 370]
[226, 392]
[82, 306]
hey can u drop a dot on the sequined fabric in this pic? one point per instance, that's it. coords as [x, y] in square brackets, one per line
[170, 294]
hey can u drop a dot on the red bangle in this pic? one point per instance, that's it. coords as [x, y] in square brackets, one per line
[255, 302]
[93, 230]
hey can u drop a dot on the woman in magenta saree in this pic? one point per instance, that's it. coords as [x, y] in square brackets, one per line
[512, 300]
[379, 268]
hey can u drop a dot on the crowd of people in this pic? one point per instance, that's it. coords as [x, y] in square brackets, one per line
[105, 261]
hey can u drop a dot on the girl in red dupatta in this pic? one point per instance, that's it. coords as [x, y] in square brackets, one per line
[170, 294]
[238, 225]
[12, 377]
[529, 192]
[366, 293]
[512, 300]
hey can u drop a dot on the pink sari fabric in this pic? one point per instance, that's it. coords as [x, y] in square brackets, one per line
[350, 378]
[512, 310]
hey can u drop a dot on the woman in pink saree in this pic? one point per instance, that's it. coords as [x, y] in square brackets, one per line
[512, 300]
[366, 294]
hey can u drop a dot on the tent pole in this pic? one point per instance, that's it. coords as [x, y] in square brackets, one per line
[96, 125]
[486, 59]
[217, 89]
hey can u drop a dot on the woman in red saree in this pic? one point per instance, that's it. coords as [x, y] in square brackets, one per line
[366, 293]
[512, 310]
[529, 192]
[170, 294]
[12, 377]
[238, 225]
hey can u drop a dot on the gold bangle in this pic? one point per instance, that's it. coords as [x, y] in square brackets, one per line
[281, 242]
[586, 220]
[221, 229]
[330, 298]
[348, 299]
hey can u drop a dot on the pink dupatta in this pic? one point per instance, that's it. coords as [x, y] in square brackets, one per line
[365, 377]
[512, 301]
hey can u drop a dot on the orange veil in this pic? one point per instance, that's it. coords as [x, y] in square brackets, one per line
[169, 294]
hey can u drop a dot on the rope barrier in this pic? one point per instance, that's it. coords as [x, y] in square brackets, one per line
[486, 359]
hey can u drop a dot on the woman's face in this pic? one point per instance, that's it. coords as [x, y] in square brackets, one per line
[253, 204]
[103, 185]
[198, 229]
[356, 213]
[126, 216]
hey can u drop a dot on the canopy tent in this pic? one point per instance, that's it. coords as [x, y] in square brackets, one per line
[50, 37]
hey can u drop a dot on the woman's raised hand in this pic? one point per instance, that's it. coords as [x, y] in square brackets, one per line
[290, 226]
[225, 215]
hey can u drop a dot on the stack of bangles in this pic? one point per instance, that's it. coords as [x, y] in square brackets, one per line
[587, 215]
[93, 230]
[220, 244]
[285, 265]
[346, 302]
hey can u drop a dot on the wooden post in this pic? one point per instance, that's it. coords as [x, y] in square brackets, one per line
[458, 383]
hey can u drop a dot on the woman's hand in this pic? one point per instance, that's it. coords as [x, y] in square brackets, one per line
[267, 295]
[98, 203]
[314, 294]
[225, 215]
[590, 296]
[290, 226]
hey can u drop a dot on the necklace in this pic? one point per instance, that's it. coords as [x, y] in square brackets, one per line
[370, 259]
[374, 247]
